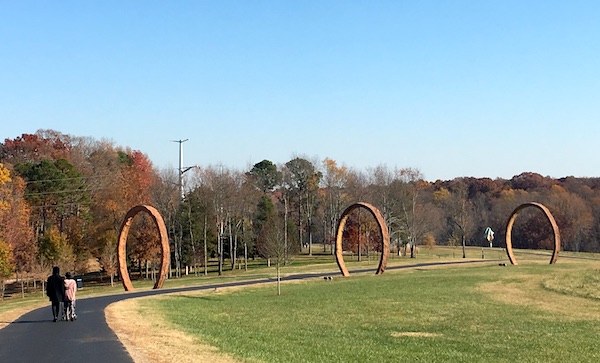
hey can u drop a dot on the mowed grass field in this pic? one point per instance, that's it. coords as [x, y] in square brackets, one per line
[533, 312]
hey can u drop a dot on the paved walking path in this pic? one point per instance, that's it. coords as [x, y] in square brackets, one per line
[36, 338]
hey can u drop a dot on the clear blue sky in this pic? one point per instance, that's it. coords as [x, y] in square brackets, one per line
[453, 88]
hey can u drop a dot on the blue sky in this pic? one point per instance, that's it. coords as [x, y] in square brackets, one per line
[453, 88]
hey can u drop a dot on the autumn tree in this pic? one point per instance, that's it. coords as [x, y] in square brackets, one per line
[118, 180]
[6, 264]
[55, 189]
[108, 204]
[531, 181]
[6, 250]
[107, 255]
[146, 246]
[56, 250]
[483, 193]
[458, 210]
[33, 148]
[15, 227]
[573, 215]
[361, 234]
[429, 241]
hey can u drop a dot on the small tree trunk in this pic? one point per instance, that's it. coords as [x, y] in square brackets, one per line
[220, 246]
[220, 255]
[245, 256]
[205, 249]
[278, 279]
[285, 232]
[359, 246]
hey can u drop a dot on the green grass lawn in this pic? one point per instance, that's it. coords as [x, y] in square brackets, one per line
[321, 263]
[533, 312]
[483, 313]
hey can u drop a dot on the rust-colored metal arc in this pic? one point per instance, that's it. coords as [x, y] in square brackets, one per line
[385, 237]
[511, 221]
[122, 245]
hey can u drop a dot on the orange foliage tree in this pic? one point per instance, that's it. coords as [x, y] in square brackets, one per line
[15, 228]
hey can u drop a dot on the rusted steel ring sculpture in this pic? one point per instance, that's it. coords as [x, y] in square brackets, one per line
[385, 237]
[550, 218]
[164, 241]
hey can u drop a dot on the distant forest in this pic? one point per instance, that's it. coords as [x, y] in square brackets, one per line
[63, 199]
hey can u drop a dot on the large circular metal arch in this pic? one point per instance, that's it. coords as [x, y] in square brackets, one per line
[511, 221]
[164, 241]
[385, 237]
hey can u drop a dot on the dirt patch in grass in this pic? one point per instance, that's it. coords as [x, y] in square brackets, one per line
[528, 291]
[415, 334]
[153, 340]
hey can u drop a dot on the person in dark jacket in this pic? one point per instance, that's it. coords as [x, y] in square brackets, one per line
[55, 290]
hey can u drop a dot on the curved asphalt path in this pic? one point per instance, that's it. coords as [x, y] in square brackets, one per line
[34, 337]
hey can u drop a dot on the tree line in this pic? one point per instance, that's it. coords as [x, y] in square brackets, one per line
[63, 198]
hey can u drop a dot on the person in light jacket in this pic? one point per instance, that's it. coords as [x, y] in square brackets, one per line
[55, 290]
[70, 290]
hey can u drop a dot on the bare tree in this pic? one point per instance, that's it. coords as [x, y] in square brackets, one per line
[304, 182]
[108, 256]
[458, 209]
[335, 179]
[224, 186]
[273, 246]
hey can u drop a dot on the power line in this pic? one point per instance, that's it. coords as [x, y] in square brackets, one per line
[63, 191]
[54, 180]
[60, 205]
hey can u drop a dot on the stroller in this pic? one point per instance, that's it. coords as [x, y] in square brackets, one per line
[69, 311]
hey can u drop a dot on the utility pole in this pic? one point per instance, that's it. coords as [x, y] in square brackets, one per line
[182, 170]
[177, 241]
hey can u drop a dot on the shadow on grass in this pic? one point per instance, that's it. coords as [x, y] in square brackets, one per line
[200, 297]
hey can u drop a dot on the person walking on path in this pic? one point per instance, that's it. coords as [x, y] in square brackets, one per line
[70, 289]
[55, 290]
